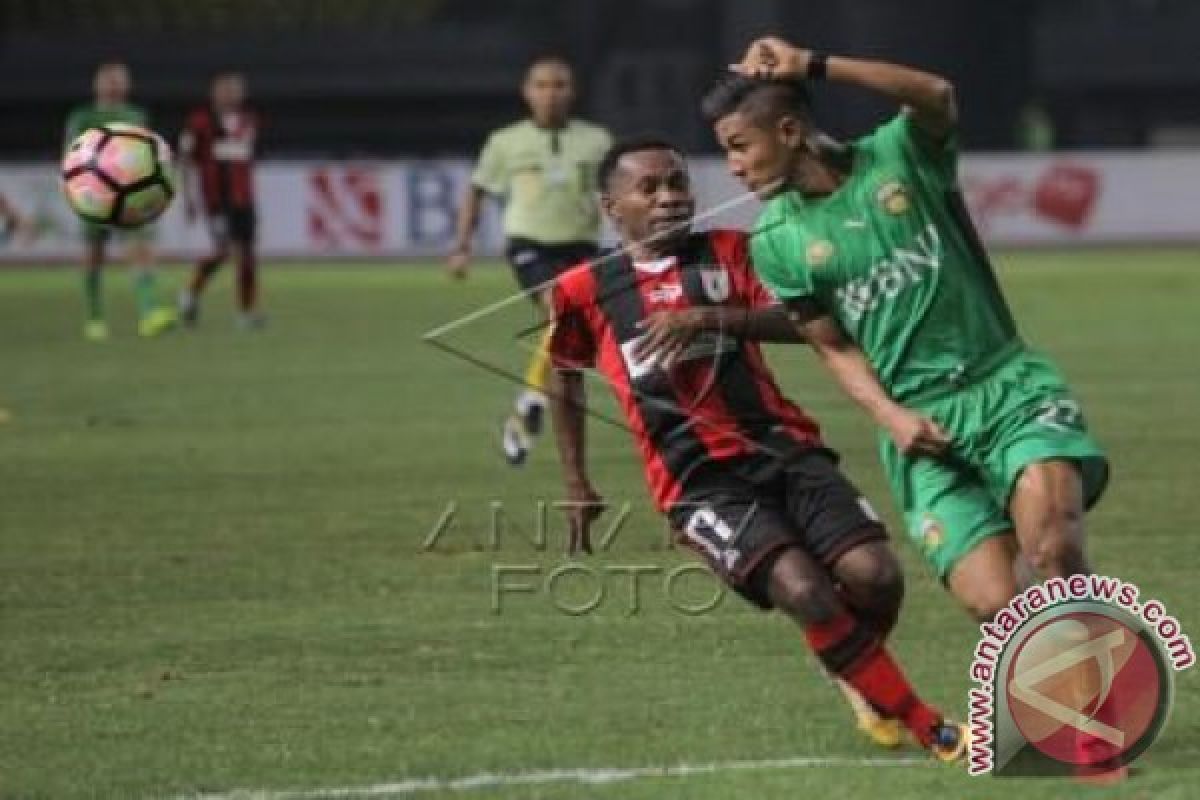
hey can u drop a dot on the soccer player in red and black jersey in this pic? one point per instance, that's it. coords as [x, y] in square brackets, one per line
[218, 146]
[742, 472]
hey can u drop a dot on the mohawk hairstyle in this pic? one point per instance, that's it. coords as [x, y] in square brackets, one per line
[634, 144]
[762, 99]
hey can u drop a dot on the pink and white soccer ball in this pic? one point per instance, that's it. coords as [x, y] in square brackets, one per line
[119, 175]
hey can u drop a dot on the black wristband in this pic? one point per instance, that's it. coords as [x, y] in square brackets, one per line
[818, 65]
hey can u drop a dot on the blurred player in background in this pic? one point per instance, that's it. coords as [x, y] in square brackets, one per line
[217, 146]
[12, 222]
[112, 85]
[543, 169]
[870, 246]
[672, 321]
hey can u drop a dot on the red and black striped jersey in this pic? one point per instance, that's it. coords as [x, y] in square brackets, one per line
[222, 147]
[719, 400]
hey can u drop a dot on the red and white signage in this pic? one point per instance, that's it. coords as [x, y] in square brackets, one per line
[345, 209]
[399, 209]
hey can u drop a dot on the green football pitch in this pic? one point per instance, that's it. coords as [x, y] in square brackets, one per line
[293, 563]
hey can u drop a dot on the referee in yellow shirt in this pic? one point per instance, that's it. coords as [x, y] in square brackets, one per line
[543, 169]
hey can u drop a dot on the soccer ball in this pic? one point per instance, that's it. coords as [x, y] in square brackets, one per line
[119, 175]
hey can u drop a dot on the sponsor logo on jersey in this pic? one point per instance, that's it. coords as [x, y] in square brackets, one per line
[819, 253]
[904, 268]
[716, 284]
[932, 533]
[706, 345]
[666, 293]
[893, 196]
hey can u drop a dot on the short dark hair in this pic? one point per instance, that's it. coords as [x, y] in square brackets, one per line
[549, 58]
[622, 148]
[761, 99]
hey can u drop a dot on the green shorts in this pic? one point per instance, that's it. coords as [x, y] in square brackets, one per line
[1019, 414]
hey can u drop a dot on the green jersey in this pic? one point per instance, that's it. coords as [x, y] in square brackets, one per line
[91, 116]
[547, 179]
[893, 256]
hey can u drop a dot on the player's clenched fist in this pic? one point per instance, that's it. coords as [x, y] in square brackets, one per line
[917, 435]
[772, 57]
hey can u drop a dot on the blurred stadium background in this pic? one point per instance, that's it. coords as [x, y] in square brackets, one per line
[215, 568]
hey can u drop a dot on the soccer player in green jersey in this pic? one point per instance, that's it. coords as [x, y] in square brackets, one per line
[543, 168]
[112, 85]
[870, 246]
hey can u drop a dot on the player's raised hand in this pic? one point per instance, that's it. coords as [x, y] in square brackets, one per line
[915, 434]
[666, 335]
[772, 57]
[457, 262]
[583, 506]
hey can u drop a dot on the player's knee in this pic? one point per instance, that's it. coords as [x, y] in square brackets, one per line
[984, 607]
[871, 573]
[1058, 553]
[987, 597]
[887, 580]
[985, 583]
[806, 598]
[877, 584]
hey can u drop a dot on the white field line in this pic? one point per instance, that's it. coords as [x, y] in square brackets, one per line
[595, 775]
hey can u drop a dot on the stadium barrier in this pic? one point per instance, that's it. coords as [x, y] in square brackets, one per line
[400, 209]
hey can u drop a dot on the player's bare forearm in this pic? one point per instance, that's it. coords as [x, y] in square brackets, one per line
[850, 367]
[468, 218]
[929, 97]
[858, 380]
[756, 324]
[912, 432]
[668, 332]
[568, 411]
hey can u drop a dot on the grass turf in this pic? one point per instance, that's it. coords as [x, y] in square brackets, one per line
[215, 573]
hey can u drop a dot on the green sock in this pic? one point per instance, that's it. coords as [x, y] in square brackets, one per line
[143, 292]
[93, 294]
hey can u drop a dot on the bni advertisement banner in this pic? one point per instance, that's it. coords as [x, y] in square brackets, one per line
[407, 209]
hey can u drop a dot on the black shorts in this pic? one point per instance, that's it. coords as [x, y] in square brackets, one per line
[740, 514]
[535, 263]
[233, 225]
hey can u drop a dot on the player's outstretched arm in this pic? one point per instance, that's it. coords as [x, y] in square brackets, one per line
[667, 333]
[912, 433]
[468, 218]
[568, 411]
[929, 98]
